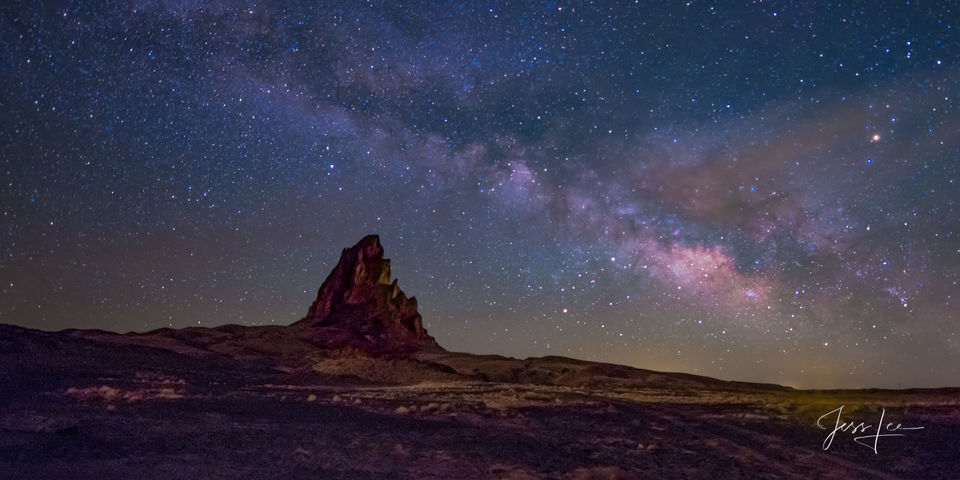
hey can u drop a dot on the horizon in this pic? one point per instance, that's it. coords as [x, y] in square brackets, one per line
[771, 199]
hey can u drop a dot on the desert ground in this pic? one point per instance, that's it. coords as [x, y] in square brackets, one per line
[95, 405]
[358, 389]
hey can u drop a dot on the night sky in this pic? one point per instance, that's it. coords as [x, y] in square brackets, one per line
[759, 191]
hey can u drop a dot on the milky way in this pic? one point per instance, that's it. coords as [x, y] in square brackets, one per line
[754, 191]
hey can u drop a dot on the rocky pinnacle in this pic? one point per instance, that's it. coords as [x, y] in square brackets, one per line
[359, 307]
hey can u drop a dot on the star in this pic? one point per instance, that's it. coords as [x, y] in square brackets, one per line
[175, 165]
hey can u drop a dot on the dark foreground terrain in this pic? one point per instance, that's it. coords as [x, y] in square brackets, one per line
[73, 405]
[358, 389]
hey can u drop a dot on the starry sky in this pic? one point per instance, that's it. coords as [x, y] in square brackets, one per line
[760, 191]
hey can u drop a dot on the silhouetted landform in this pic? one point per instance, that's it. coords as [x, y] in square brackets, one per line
[359, 389]
[358, 307]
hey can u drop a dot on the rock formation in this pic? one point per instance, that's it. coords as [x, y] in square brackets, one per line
[359, 308]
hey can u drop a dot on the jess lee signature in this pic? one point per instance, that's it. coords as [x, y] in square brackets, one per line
[867, 439]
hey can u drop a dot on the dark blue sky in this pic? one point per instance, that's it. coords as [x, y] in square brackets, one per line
[758, 191]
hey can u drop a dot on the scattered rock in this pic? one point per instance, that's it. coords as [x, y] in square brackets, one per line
[511, 472]
[302, 452]
[601, 473]
[109, 394]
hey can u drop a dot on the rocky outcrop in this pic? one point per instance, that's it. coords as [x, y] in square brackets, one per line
[359, 308]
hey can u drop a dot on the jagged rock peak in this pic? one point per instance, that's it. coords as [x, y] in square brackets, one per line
[358, 307]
